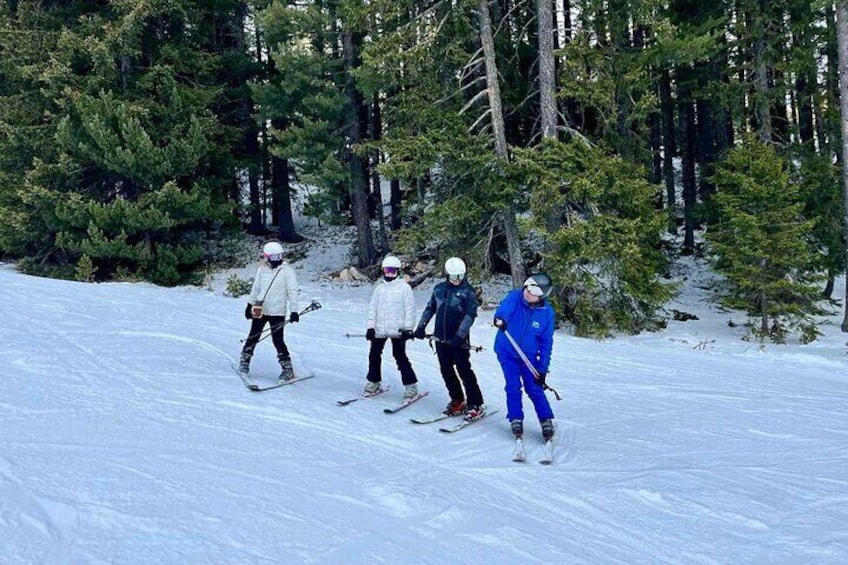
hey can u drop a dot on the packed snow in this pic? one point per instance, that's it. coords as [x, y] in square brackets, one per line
[127, 437]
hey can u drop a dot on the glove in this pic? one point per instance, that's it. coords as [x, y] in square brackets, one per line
[256, 311]
[420, 333]
[406, 334]
[247, 311]
[500, 323]
[456, 342]
[294, 318]
[369, 334]
[541, 379]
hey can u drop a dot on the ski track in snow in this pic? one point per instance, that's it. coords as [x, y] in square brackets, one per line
[126, 437]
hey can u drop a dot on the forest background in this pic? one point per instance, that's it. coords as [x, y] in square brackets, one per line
[597, 140]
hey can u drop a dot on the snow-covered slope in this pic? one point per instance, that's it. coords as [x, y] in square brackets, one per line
[126, 437]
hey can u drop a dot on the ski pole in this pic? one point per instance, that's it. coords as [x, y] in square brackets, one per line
[528, 363]
[474, 348]
[376, 336]
[314, 305]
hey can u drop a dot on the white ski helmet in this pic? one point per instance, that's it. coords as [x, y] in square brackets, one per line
[391, 261]
[273, 251]
[538, 284]
[455, 268]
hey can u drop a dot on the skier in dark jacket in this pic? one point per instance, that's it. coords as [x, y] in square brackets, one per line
[454, 304]
[529, 319]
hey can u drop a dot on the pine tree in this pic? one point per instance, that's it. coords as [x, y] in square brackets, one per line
[605, 254]
[762, 244]
[134, 88]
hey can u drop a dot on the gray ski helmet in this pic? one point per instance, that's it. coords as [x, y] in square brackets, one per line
[539, 284]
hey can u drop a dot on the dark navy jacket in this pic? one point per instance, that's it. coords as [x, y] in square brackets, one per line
[532, 327]
[455, 307]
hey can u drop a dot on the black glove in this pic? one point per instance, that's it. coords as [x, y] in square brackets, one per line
[420, 333]
[500, 323]
[369, 334]
[247, 311]
[406, 334]
[540, 378]
[294, 318]
[456, 341]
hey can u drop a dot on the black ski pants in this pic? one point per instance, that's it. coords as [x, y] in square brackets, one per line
[375, 356]
[256, 327]
[453, 360]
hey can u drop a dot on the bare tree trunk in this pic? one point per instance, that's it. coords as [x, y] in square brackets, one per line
[547, 83]
[669, 149]
[686, 110]
[510, 226]
[365, 252]
[376, 182]
[762, 106]
[394, 204]
[842, 42]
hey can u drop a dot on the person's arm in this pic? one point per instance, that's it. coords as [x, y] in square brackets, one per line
[546, 342]
[256, 288]
[372, 309]
[470, 311]
[408, 308]
[507, 307]
[428, 312]
[292, 290]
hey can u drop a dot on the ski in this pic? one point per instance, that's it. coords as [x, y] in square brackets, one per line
[466, 423]
[547, 453]
[438, 418]
[260, 388]
[518, 453]
[362, 396]
[405, 403]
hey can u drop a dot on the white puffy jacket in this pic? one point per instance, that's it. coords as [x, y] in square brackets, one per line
[283, 289]
[392, 308]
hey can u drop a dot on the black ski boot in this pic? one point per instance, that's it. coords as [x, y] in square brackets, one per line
[517, 428]
[286, 369]
[244, 362]
[547, 429]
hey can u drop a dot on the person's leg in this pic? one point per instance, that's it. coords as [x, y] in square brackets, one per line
[278, 324]
[375, 358]
[462, 359]
[537, 395]
[256, 325]
[512, 375]
[444, 354]
[407, 375]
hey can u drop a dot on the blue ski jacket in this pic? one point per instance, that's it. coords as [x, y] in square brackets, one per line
[532, 327]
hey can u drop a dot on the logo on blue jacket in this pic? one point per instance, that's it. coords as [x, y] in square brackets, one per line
[536, 325]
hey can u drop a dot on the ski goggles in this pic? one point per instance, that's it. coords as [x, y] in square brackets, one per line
[273, 256]
[390, 271]
[535, 290]
[455, 277]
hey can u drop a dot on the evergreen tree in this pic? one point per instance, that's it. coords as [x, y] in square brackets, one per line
[605, 253]
[136, 173]
[762, 243]
[321, 118]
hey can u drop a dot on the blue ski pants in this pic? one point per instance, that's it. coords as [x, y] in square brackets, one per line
[516, 372]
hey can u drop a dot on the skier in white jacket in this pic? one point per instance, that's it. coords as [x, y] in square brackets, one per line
[391, 315]
[274, 286]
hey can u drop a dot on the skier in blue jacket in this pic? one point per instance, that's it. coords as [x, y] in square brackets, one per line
[454, 304]
[525, 314]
